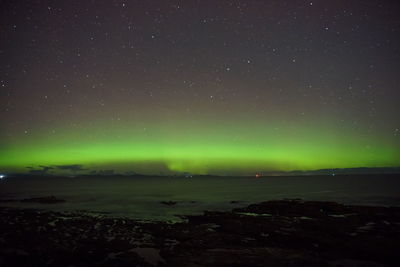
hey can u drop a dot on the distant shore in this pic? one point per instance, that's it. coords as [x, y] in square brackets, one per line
[273, 233]
[318, 172]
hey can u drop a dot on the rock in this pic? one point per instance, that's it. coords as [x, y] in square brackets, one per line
[273, 233]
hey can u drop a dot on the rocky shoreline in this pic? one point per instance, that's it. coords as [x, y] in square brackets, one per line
[273, 233]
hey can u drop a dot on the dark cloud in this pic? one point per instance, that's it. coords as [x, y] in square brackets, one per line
[44, 170]
[72, 167]
[102, 172]
[106, 172]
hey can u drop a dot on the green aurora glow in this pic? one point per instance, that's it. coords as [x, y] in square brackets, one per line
[206, 87]
[215, 148]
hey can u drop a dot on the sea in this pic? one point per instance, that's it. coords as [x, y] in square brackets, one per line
[146, 198]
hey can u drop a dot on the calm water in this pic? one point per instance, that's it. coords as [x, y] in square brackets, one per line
[140, 197]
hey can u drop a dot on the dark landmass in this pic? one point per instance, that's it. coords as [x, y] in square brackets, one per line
[112, 173]
[44, 200]
[337, 171]
[274, 233]
[41, 200]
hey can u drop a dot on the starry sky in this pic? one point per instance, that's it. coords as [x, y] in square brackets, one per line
[206, 87]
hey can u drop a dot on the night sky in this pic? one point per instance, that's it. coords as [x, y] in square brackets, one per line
[206, 87]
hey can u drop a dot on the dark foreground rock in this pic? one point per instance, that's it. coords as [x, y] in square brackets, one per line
[274, 233]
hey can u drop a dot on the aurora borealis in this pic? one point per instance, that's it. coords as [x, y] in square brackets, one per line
[206, 87]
